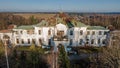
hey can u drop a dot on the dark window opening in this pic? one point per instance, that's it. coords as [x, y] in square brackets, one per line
[40, 41]
[71, 41]
[98, 41]
[81, 32]
[39, 31]
[93, 33]
[22, 41]
[49, 32]
[100, 32]
[17, 41]
[81, 41]
[33, 41]
[71, 32]
[92, 41]
[28, 41]
[88, 32]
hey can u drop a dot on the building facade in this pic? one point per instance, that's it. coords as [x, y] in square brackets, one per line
[68, 34]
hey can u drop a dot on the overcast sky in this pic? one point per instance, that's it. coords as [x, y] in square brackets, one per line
[61, 5]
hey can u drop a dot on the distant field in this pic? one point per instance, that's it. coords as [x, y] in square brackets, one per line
[36, 15]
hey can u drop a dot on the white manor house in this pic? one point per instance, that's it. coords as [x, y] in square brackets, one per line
[69, 34]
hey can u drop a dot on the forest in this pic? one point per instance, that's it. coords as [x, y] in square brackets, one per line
[89, 19]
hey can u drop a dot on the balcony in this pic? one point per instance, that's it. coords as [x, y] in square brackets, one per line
[60, 38]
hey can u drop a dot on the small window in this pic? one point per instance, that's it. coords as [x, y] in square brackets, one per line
[100, 32]
[33, 41]
[39, 31]
[71, 32]
[28, 31]
[32, 32]
[49, 32]
[93, 33]
[81, 41]
[28, 41]
[71, 41]
[105, 32]
[49, 42]
[88, 32]
[22, 41]
[104, 41]
[98, 41]
[21, 32]
[81, 32]
[40, 41]
[16, 32]
[17, 41]
[92, 41]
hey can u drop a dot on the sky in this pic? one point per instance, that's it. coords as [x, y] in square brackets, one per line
[60, 5]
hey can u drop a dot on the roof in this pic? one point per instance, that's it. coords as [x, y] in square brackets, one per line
[96, 28]
[42, 23]
[79, 24]
[5, 31]
[27, 27]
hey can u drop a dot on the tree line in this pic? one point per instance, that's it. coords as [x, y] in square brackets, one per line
[90, 19]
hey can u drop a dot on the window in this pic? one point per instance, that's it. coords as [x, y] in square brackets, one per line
[105, 32]
[87, 41]
[71, 41]
[60, 33]
[81, 32]
[49, 42]
[104, 41]
[39, 31]
[17, 41]
[33, 41]
[21, 32]
[81, 41]
[28, 31]
[22, 41]
[49, 32]
[92, 41]
[40, 41]
[71, 32]
[100, 32]
[93, 33]
[28, 41]
[16, 32]
[88, 32]
[98, 41]
[32, 31]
